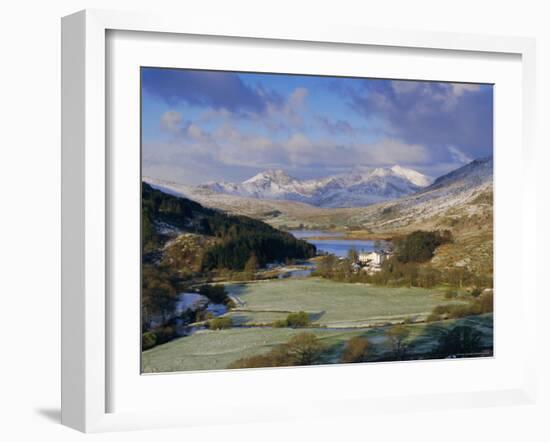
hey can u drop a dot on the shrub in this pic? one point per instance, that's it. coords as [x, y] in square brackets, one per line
[148, 340]
[294, 320]
[302, 349]
[398, 336]
[419, 246]
[433, 317]
[220, 323]
[299, 319]
[450, 294]
[165, 334]
[258, 361]
[486, 302]
[458, 341]
[215, 293]
[231, 303]
[482, 304]
[476, 291]
[441, 309]
[447, 311]
[356, 350]
[204, 315]
[461, 311]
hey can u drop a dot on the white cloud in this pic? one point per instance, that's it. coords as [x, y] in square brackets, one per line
[391, 151]
[298, 142]
[195, 132]
[456, 91]
[286, 115]
[448, 95]
[171, 121]
[404, 87]
[230, 146]
[458, 156]
[461, 88]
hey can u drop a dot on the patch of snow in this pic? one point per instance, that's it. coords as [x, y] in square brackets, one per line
[412, 175]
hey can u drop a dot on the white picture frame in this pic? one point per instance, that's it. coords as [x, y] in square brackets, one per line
[86, 194]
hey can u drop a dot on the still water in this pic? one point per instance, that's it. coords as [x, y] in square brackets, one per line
[333, 244]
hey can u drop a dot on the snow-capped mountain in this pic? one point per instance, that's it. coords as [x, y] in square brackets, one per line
[462, 192]
[362, 186]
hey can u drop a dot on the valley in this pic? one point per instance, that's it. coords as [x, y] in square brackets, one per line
[461, 201]
[297, 220]
[259, 295]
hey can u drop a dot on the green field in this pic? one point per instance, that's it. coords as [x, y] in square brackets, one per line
[215, 350]
[331, 304]
[338, 311]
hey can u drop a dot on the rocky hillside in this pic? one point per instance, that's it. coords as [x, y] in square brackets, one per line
[461, 201]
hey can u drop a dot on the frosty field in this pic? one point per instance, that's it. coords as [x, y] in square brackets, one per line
[331, 304]
[215, 350]
[338, 312]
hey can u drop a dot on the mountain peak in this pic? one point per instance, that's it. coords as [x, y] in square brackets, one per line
[412, 175]
[277, 175]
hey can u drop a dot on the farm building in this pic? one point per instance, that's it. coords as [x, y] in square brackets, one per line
[375, 258]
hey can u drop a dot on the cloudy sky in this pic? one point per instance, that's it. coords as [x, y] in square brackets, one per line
[200, 126]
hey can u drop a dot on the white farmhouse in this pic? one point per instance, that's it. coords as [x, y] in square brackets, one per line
[375, 258]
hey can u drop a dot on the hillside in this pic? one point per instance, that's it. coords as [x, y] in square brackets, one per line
[461, 201]
[466, 192]
[224, 241]
[274, 212]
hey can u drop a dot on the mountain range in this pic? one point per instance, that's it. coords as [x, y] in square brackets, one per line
[360, 187]
[461, 200]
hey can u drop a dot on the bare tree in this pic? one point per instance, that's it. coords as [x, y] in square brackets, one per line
[398, 336]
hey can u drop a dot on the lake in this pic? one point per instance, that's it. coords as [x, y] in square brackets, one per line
[333, 244]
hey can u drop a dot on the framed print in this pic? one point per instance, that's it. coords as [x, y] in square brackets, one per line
[330, 239]
[254, 214]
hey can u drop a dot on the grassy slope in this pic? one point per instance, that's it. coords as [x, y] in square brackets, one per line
[215, 350]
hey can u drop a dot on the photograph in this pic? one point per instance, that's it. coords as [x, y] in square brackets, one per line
[292, 220]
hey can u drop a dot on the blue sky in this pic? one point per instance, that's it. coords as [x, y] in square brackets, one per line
[200, 126]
